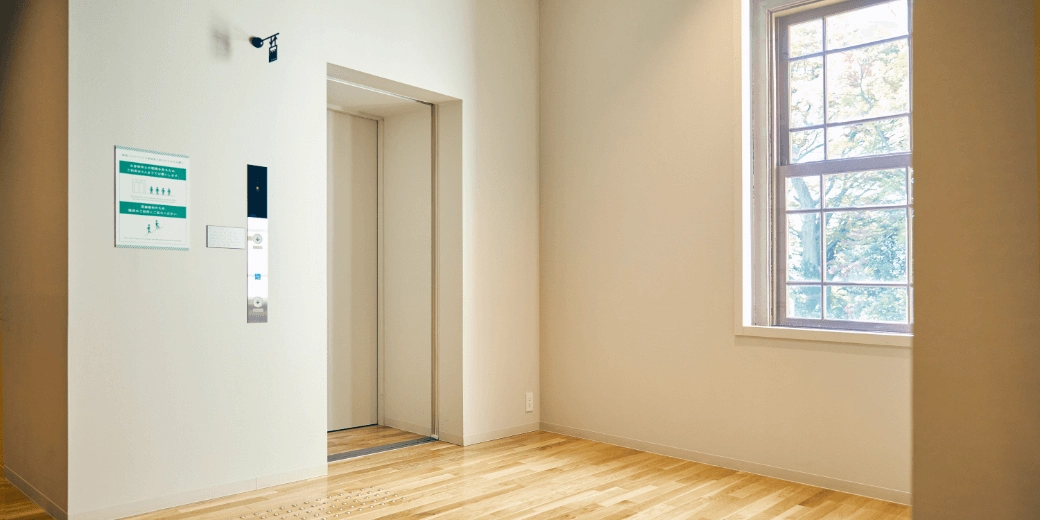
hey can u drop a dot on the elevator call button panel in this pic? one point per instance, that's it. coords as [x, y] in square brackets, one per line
[257, 273]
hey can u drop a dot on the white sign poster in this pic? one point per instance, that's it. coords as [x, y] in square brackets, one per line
[151, 199]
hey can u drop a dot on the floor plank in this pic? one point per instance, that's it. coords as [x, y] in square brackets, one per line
[343, 441]
[534, 476]
[14, 505]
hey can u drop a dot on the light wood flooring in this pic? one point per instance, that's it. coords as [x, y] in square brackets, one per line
[14, 505]
[367, 437]
[535, 475]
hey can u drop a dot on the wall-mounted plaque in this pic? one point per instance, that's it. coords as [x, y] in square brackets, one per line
[151, 199]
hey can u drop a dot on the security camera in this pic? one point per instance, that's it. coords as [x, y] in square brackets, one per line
[272, 51]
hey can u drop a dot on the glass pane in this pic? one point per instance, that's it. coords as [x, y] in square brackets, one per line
[803, 302]
[861, 189]
[807, 146]
[806, 85]
[857, 303]
[867, 82]
[872, 138]
[803, 247]
[805, 38]
[866, 25]
[866, 246]
[803, 192]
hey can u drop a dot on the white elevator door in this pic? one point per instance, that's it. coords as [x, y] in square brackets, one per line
[352, 243]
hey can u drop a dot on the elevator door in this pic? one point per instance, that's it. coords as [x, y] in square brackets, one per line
[352, 271]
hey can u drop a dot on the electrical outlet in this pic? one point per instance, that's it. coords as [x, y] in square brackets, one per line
[530, 401]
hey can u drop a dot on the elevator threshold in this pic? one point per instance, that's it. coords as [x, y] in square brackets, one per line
[366, 440]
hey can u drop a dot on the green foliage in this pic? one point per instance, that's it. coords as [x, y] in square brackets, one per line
[867, 303]
[868, 82]
[852, 238]
[863, 83]
[859, 245]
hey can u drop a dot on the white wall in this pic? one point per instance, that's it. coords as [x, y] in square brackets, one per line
[639, 148]
[977, 351]
[500, 223]
[172, 396]
[407, 269]
[352, 271]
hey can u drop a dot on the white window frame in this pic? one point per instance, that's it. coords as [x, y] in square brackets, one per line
[756, 287]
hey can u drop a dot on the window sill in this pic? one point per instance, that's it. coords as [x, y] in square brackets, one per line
[828, 336]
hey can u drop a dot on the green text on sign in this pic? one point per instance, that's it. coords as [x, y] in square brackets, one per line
[152, 170]
[152, 210]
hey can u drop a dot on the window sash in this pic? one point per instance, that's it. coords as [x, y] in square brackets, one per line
[782, 170]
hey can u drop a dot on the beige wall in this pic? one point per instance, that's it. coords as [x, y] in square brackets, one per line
[33, 247]
[1, 386]
[977, 345]
[6, 18]
[639, 175]
[500, 223]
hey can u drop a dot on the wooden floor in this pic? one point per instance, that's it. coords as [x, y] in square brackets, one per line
[535, 475]
[14, 505]
[367, 437]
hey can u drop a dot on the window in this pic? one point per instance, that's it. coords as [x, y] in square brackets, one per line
[840, 176]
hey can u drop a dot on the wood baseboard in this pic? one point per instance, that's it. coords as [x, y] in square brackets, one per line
[35, 495]
[478, 438]
[845, 486]
[198, 495]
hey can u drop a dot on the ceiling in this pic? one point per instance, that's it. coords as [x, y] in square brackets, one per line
[359, 100]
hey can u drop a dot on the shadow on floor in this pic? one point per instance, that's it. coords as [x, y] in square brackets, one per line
[14, 505]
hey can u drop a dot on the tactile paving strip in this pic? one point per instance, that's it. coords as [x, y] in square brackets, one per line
[328, 507]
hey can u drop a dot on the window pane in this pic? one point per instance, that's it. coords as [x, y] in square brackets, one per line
[806, 85]
[857, 303]
[805, 38]
[807, 146]
[866, 246]
[861, 189]
[872, 138]
[803, 247]
[867, 82]
[803, 302]
[803, 192]
[869, 24]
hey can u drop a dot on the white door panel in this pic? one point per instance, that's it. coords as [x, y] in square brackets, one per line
[352, 257]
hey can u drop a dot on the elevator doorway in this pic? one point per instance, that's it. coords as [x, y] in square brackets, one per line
[380, 271]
